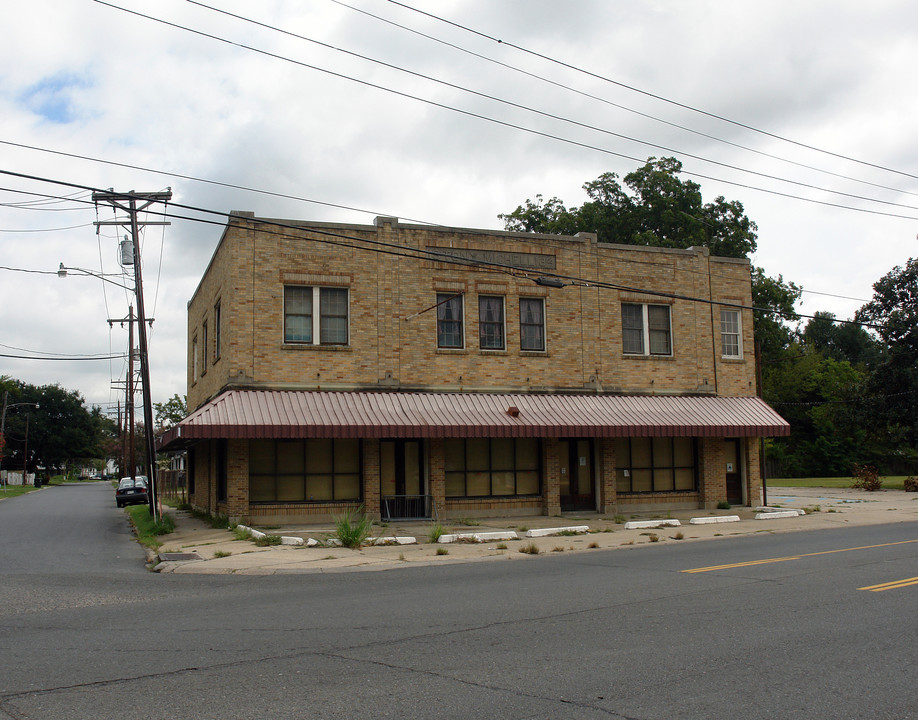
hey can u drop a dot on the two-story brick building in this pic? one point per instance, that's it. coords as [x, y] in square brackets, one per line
[414, 370]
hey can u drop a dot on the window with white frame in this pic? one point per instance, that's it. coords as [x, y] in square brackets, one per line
[730, 334]
[302, 324]
[491, 322]
[532, 324]
[449, 320]
[646, 329]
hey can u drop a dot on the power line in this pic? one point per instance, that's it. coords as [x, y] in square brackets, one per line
[533, 131]
[608, 102]
[655, 96]
[437, 256]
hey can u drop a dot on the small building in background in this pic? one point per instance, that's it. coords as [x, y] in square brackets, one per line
[416, 371]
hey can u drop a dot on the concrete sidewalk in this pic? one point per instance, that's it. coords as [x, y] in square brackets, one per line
[195, 547]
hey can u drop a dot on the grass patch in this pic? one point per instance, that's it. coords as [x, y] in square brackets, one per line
[15, 490]
[442, 551]
[147, 530]
[557, 548]
[268, 540]
[222, 554]
[888, 482]
[467, 522]
[240, 533]
[619, 519]
[218, 522]
[678, 536]
[530, 549]
[353, 528]
[723, 505]
[502, 546]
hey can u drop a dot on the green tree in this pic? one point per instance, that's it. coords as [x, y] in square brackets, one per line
[656, 207]
[61, 430]
[893, 315]
[171, 412]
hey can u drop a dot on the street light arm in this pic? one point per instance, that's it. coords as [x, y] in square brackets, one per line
[63, 270]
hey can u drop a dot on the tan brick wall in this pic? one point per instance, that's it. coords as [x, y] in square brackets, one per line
[393, 335]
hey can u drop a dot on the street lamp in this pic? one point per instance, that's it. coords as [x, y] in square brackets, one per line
[63, 272]
[6, 406]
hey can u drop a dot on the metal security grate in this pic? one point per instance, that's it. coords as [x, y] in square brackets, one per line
[406, 507]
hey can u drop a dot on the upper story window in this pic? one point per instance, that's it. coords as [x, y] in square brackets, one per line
[491, 322]
[204, 347]
[646, 329]
[730, 334]
[532, 324]
[195, 367]
[449, 321]
[217, 325]
[302, 324]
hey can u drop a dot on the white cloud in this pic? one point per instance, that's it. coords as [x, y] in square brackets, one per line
[93, 81]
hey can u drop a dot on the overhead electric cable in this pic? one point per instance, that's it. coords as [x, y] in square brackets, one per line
[606, 101]
[655, 96]
[509, 124]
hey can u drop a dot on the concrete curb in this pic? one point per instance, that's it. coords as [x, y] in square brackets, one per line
[642, 524]
[545, 532]
[714, 519]
[478, 537]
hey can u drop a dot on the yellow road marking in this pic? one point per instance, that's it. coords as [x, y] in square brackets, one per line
[803, 555]
[892, 585]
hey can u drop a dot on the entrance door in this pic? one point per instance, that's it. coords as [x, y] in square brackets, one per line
[734, 472]
[401, 479]
[576, 467]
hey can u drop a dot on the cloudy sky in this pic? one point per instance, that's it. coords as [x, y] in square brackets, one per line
[342, 110]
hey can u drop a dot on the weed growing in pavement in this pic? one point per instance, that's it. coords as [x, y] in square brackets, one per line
[594, 545]
[619, 519]
[502, 546]
[467, 522]
[240, 533]
[653, 537]
[442, 551]
[523, 528]
[812, 509]
[222, 554]
[723, 505]
[557, 548]
[678, 536]
[568, 533]
[530, 549]
[268, 540]
[353, 528]
[436, 530]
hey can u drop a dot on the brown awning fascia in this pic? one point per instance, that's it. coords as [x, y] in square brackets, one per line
[254, 414]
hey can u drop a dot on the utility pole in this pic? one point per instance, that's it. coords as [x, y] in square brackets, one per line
[129, 392]
[133, 203]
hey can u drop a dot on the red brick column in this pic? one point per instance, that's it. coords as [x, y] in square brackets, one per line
[371, 478]
[551, 482]
[437, 474]
[237, 479]
[607, 499]
[712, 483]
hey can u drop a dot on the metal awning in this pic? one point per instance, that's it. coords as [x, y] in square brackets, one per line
[252, 414]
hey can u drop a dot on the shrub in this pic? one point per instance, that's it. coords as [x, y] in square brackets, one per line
[530, 549]
[268, 540]
[723, 505]
[866, 477]
[442, 551]
[353, 528]
[910, 484]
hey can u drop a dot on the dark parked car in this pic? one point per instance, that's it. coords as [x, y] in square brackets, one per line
[132, 491]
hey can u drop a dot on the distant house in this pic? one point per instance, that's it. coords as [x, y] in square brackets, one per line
[417, 371]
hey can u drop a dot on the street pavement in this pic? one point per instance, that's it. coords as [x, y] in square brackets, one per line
[195, 547]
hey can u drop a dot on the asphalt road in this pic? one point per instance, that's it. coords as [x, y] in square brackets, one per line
[768, 626]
